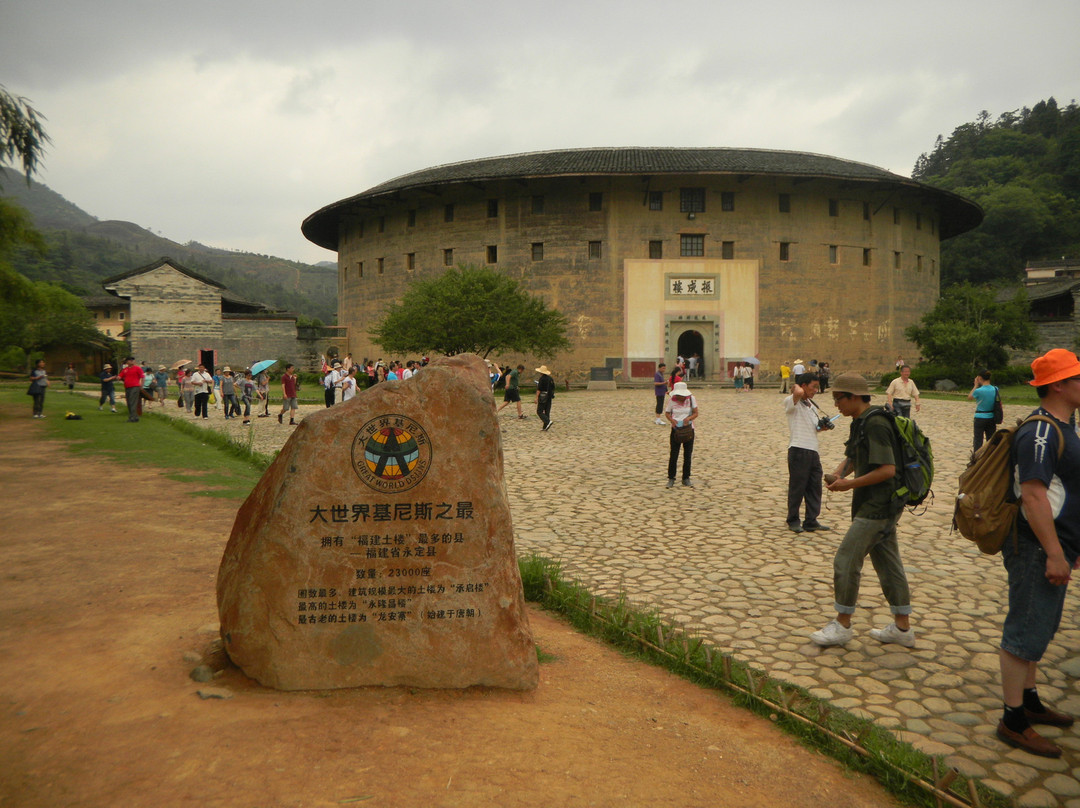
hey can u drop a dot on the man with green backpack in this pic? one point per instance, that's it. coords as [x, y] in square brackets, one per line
[871, 453]
[1039, 562]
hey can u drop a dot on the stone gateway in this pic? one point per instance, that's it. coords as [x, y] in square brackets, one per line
[378, 547]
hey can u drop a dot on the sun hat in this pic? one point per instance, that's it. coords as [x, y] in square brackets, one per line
[798, 361]
[680, 389]
[161, 367]
[851, 383]
[108, 366]
[544, 370]
[1053, 366]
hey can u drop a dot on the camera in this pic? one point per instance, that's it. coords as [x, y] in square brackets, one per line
[825, 422]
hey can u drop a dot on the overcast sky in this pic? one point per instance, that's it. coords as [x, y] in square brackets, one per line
[228, 122]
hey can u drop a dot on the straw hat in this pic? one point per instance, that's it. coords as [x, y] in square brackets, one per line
[544, 370]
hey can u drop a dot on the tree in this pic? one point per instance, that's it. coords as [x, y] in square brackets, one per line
[474, 310]
[22, 134]
[972, 328]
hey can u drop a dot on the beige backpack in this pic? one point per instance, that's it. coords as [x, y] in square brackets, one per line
[986, 507]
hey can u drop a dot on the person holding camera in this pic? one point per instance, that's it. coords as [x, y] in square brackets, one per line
[803, 460]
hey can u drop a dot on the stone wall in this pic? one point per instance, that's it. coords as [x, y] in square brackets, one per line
[822, 302]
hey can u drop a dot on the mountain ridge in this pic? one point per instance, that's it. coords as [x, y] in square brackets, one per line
[82, 250]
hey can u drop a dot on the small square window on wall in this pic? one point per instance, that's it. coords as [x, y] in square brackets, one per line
[691, 245]
[120, 315]
[594, 249]
[448, 257]
[896, 215]
[448, 213]
[656, 200]
[727, 250]
[412, 217]
[538, 251]
[918, 263]
[410, 261]
[359, 269]
[656, 250]
[381, 265]
[692, 200]
[834, 254]
[866, 257]
[834, 207]
[896, 260]
[538, 203]
[596, 201]
[785, 250]
[785, 203]
[493, 208]
[492, 254]
[727, 200]
[866, 211]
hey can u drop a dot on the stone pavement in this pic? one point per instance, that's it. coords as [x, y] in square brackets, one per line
[718, 560]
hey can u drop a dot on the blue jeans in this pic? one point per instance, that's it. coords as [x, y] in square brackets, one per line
[876, 538]
[1035, 604]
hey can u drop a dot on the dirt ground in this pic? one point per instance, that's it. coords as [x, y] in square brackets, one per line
[108, 604]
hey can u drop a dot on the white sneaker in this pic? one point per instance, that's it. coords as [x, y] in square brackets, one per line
[661, 421]
[832, 634]
[892, 634]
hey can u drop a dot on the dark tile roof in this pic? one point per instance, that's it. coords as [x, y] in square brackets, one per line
[959, 214]
[159, 263]
[1054, 288]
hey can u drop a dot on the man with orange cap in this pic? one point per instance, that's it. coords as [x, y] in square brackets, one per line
[1039, 563]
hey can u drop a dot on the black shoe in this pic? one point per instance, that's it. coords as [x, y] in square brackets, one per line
[795, 527]
[279, 417]
[815, 526]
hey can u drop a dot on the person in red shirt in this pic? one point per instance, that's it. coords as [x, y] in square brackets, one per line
[132, 376]
[288, 392]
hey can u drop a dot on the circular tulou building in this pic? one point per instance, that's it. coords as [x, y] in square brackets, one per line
[653, 252]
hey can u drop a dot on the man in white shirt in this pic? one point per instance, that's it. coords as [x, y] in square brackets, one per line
[804, 462]
[798, 369]
[348, 385]
[408, 372]
[901, 392]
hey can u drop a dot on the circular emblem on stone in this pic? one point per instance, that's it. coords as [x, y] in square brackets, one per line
[391, 453]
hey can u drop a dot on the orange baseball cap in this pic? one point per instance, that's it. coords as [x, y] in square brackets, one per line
[1053, 366]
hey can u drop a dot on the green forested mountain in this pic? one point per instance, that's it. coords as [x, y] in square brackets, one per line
[1024, 169]
[82, 250]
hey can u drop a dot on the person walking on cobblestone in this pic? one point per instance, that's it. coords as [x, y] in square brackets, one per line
[660, 391]
[1046, 549]
[681, 411]
[874, 515]
[545, 392]
[803, 460]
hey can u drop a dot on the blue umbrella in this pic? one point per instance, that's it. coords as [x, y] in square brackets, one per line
[753, 360]
[259, 367]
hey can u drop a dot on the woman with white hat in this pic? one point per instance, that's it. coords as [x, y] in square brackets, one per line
[545, 391]
[681, 411]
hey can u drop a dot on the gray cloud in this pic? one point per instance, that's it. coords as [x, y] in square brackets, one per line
[230, 122]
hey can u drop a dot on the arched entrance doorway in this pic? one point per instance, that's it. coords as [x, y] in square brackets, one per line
[692, 343]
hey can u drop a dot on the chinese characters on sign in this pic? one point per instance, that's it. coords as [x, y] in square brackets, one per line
[391, 600]
[691, 286]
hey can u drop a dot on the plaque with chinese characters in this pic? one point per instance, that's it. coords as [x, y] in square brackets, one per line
[378, 547]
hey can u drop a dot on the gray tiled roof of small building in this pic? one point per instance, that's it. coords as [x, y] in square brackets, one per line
[321, 226]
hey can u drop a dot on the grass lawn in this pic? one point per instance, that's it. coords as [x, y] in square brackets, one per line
[222, 469]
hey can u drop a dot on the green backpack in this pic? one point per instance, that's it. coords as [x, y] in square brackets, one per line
[914, 461]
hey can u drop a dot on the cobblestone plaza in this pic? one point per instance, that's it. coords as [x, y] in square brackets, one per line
[719, 560]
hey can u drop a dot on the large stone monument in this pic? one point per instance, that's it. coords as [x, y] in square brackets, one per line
[378, 549]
